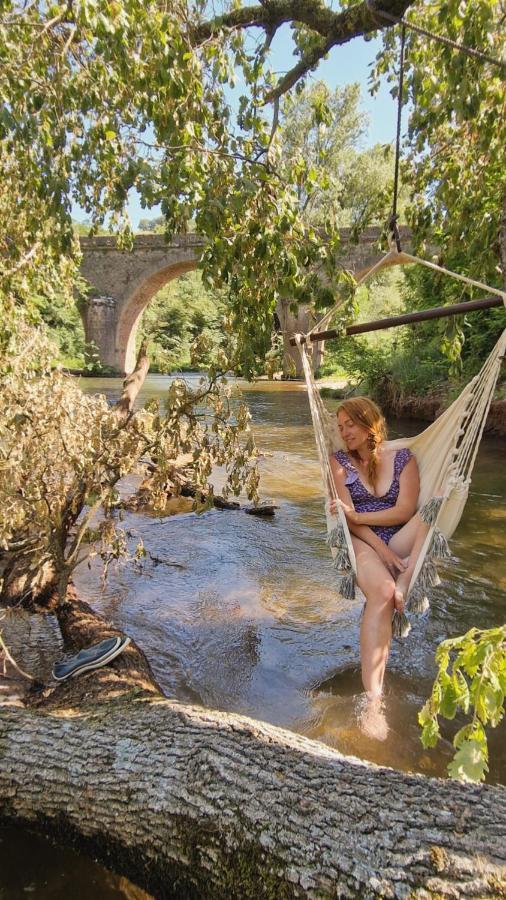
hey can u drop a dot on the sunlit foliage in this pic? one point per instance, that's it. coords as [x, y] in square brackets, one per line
[471, 679]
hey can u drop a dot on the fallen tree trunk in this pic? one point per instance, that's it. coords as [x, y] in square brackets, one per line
[194, 803]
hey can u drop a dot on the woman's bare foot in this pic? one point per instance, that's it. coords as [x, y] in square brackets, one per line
[372, 720]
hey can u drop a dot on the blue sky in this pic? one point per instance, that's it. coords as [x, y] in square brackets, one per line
[344, 65]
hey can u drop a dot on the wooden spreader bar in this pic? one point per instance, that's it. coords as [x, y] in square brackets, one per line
[437, 312]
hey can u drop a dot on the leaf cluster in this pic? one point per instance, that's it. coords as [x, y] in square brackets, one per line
[101, 98]
[471, 678]
[454, 149]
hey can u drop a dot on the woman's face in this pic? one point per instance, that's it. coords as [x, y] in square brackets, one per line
[353, 435]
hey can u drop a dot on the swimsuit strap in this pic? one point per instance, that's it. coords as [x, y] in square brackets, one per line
[402, 457]
[344, 459]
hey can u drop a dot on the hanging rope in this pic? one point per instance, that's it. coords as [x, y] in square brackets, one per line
[393, 219]
[441, 39]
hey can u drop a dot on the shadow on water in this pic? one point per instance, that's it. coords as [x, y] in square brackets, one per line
[33, 867]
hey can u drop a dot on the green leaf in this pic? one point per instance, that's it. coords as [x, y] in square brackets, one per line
[449, 700]
[461, 690]
[469, 762]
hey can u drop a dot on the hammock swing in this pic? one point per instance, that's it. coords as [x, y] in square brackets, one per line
[445, 452]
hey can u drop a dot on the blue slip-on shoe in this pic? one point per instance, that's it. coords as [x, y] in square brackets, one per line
[90, 658]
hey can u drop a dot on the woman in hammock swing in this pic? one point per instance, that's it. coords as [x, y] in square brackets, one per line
[379, 489]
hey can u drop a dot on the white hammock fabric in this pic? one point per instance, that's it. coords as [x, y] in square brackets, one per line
[445, 453]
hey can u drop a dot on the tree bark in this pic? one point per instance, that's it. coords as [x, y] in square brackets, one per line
[344, 25]
[133, 383]
[194, 803]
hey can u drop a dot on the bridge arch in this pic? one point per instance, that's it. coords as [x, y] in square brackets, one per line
[121, 285]
[134, 306]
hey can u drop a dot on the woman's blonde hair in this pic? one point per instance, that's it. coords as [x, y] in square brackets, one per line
[364, 412]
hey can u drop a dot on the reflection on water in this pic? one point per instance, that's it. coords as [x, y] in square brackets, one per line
[243, 614]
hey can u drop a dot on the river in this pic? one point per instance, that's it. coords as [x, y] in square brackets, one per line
[242, 615]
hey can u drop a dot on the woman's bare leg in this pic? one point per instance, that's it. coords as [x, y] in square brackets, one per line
[407, 543]
[376, 582]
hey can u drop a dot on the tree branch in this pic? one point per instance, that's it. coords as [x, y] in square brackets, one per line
[305, 64]
[133, 383]
[336, 27]
[353, 22]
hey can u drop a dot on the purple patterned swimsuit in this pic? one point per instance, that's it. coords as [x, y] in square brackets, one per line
[364, 501]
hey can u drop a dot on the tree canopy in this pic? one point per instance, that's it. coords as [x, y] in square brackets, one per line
[100, 97]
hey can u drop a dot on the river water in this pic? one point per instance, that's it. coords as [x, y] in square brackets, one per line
[242, 615]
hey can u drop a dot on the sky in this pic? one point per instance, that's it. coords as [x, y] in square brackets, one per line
[344, 65]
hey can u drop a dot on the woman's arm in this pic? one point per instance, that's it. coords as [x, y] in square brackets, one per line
[404, 509]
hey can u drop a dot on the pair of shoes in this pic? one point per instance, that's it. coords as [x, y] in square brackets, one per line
[90, 658]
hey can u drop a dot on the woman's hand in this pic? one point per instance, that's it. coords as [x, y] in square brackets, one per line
[350, 513]
[390, 560]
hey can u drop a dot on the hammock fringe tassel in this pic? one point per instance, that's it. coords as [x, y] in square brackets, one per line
[342, 559]
[439, 547]
[428, 576]
[346, 586]
[418, 602]
[430, 510]
[336, 537]
[400, 625]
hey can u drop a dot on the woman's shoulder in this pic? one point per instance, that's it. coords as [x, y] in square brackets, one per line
[402, 457]
[343, 458]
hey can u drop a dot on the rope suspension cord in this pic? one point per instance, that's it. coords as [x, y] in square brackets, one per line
[394, 216]
[397, 255]
[446, 41]
[318, 332]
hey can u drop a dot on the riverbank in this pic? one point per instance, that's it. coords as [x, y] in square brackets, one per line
[423, 407]
[428, 409]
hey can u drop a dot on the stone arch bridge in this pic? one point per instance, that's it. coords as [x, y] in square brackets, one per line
[123, 282]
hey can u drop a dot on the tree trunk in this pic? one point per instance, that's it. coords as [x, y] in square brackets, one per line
[133, 383]
[194, 803]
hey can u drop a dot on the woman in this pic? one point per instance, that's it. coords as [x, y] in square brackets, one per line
[378, 488]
